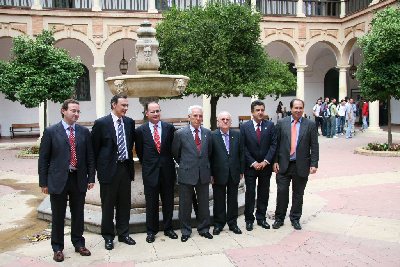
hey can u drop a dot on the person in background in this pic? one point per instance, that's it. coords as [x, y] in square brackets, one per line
[365, 113]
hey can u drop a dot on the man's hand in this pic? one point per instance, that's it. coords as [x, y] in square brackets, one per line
[45, 190]
[90, 186]
[241, 176]
[263, 165]
[212, 180]
[313, 170]
[276, 168]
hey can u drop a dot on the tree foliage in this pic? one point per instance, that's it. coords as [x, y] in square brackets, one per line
[218, 46]
[38, 71]
[379, 72]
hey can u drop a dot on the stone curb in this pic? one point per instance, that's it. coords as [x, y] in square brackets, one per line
[366, 152]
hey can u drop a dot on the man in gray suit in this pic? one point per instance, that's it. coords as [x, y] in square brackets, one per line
[191, 149]
[297, 156]
[227, 167]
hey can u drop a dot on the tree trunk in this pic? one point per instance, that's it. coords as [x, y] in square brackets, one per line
[389, 122]
[213, 119]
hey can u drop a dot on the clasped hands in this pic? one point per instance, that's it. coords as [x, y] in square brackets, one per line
[260, 165]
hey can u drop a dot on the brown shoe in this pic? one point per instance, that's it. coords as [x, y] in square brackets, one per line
[83, 251]
[58, 256]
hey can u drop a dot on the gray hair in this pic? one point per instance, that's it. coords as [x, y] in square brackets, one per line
[190, 109]
[224, 113]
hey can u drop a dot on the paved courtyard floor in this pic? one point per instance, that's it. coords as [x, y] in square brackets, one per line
[351, 217]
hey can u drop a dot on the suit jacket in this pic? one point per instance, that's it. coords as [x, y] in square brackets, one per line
[307, 150]
[148, 155]
[254, 151]
[192, 164]
[105, 147]
[54, 157]
[223, 163]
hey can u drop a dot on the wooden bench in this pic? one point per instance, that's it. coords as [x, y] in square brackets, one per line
[243, 119]
[25, 128]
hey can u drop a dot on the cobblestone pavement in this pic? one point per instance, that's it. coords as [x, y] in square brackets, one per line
[351, 217]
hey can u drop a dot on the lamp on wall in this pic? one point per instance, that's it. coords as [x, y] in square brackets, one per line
[123, 64]
[353, 70]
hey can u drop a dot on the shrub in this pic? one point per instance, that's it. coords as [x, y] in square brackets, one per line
[383, 147]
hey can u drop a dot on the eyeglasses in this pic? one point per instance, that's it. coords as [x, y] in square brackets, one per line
[155, 111]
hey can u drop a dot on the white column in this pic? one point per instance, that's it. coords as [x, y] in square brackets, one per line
[300, 12]
[152, 7]
[342, 8]
[253, 4]
[374, 116]
[41, 120]
[300, 82]
[100, 94]
[96, 5]
[342, 82]
[206, 112]
[36, 5]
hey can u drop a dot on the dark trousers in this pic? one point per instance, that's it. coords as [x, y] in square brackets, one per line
[225, 203]
[116, 195]
[263, 177]
[58, 203]
[282, 199]
[164, 189]
[185, 207]
[319, 122]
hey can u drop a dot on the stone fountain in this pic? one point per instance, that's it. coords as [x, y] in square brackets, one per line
[148, 85]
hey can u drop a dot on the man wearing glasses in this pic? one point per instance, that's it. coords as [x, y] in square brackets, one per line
[153, 148]
[227, 167]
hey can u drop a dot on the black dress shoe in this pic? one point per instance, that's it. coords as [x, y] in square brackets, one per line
[217, 230]
[127, 240]
[150, 238]
[171, 234]
[185, 238]
[109, 245]
[206, 235]
[235, 229]
[249, 226]
[296, 225]
[277, 224]
[58, 256]
[263, 224]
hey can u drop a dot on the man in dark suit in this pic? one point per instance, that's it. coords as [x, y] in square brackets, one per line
[113, 137]
[227, 166]
[192, 149]
[153, 148]
[259, 140]
[297, 156]
[66, 171]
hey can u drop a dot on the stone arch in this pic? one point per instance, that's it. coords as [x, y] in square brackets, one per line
[329, 41]
[289, 43]
[115, 37]
[64, 35]
[348, 48]
[10, 31]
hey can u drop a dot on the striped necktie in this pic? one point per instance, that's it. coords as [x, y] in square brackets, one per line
[121, 141]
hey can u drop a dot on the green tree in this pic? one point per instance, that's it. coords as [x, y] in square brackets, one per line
[38, 71]
[218, 47]
[379, 72]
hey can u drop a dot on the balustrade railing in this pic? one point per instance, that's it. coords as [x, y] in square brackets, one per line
[60, 4]
[353, 6]
[180, 4]
[322, 8]
[277, 7]
[16, 3]
[132, 5]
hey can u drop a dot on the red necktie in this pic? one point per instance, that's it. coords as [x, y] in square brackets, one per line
[197, 139]
[157, 138]
[293, 137]
[73, 161]
[258, 132]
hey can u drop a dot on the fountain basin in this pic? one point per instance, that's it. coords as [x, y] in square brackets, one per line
[148, 85]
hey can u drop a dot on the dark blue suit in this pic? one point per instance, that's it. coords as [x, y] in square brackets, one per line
[257, 152]
[158, 172]
[63, 185]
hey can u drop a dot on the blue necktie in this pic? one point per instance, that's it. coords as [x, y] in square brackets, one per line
[227, 142]
[121, 141]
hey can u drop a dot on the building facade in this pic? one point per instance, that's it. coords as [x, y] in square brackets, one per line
[317, 38]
